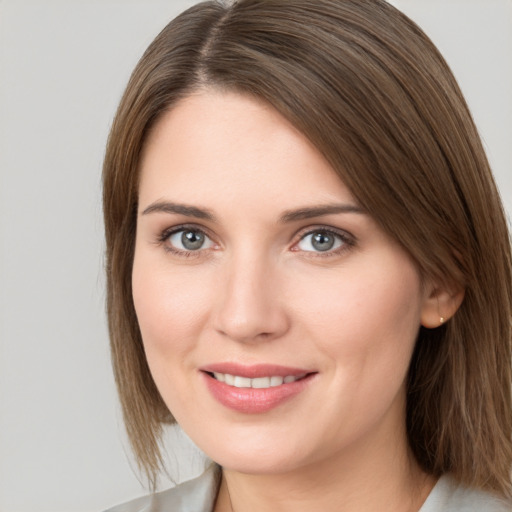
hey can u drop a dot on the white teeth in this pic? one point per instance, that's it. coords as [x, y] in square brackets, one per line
[220, 376]
[261, 382]
[277, 381]
[258, 383]
[242, 382]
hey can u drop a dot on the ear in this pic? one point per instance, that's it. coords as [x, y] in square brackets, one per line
[441, 303]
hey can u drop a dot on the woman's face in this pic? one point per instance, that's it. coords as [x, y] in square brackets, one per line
[278, 319]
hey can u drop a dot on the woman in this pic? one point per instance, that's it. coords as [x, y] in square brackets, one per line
[308, 265]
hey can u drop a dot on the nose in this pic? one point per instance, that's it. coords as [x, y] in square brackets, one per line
[250, 306]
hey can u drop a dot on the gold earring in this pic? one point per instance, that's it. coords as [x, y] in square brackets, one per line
[441, 320]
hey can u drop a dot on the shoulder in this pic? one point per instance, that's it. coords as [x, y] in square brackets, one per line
[198, 495]
[450, 496]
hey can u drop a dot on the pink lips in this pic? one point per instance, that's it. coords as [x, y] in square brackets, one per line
[254, 400]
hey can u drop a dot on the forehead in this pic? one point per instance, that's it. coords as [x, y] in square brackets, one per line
[226, 145]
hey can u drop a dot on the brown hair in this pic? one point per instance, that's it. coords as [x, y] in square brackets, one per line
[374, 95]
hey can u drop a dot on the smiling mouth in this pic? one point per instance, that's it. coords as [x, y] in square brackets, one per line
[238, 381]
[255, 389]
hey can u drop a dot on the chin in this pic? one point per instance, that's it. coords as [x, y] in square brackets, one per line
[256, 464]
[257, 453]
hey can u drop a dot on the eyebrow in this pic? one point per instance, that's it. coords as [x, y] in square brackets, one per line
[288, 216]
[318, 211]
[181, 209]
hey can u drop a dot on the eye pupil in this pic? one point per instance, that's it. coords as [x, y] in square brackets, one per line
[322, 241]
[192, 240]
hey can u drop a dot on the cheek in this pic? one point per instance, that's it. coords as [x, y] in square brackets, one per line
[171, 307]
[367, 322]
[171, 311]
[366, 329]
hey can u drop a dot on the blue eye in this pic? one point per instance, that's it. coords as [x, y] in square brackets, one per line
[189, 240]
[321, 241]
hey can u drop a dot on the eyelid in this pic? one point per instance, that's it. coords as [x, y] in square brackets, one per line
[164, 235]
[348, 239]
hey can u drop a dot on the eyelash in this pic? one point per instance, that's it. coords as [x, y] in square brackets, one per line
[163, 239]
[348, 241]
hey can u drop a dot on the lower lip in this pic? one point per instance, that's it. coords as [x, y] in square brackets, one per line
[254, 400]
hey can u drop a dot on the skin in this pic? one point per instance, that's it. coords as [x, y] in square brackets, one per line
[257, 291]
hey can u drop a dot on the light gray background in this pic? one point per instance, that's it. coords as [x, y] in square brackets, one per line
[63, 66]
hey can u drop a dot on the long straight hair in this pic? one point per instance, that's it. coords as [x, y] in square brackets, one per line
[369, 89]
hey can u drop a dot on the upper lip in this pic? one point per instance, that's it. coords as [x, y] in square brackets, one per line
[254, 371]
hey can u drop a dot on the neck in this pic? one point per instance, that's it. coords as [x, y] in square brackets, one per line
[251, 493]
[371, 475]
